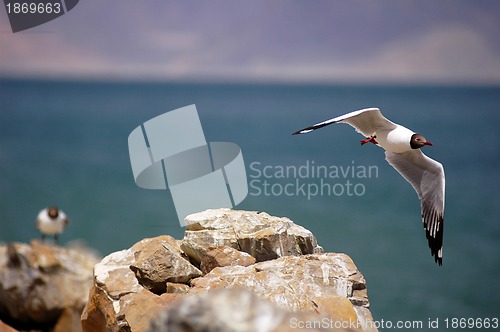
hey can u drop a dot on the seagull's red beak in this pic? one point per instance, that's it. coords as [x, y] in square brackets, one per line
[428, 143]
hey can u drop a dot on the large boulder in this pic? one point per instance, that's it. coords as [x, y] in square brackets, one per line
[262, 236]
[329, 284]
[42, 286]
[132, 286]
[278, 264]
[235, 309]
[160, 261]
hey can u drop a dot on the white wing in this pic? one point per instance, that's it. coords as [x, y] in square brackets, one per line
[427, 178]
[41, 215]
[366, 121]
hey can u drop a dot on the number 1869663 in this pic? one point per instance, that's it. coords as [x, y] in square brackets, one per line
[33, 8]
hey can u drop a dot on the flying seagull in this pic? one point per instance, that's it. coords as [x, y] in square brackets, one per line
[51, 221]
[402, 151]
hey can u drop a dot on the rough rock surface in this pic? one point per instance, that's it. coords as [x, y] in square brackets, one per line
[329, 284]
[130, 286]
[292, 279]
[159, 261]
[257, 233]
[233, 309]
[224, 256]
[43, 286]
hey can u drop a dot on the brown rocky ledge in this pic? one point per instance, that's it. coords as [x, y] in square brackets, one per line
[43, 287]
[232, 271]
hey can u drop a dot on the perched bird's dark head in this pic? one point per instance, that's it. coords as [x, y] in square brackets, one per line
[53, 212]
[417, 141]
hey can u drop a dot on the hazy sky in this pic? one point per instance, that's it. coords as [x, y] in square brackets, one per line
[456, 41]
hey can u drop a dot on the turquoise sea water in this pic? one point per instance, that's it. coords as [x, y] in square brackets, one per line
[65, 143]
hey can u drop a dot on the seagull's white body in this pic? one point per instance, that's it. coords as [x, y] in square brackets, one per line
[395, 140]
[51, 226]
[423, 173]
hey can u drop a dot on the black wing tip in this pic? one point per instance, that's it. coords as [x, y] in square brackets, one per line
[436, 243]
[437, 259]
[306, 130]
[436, 248]
[312, 128]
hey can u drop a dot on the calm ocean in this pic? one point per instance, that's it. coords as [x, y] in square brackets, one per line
[65, 143]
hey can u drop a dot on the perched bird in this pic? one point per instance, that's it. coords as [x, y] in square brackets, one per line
[51, 221]
[402, 151]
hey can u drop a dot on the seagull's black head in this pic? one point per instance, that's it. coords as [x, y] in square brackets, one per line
[417, 141]
[53, 212]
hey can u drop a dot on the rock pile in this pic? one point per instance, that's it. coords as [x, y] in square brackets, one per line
[234, 309]
[232, 271]
[43, 286]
